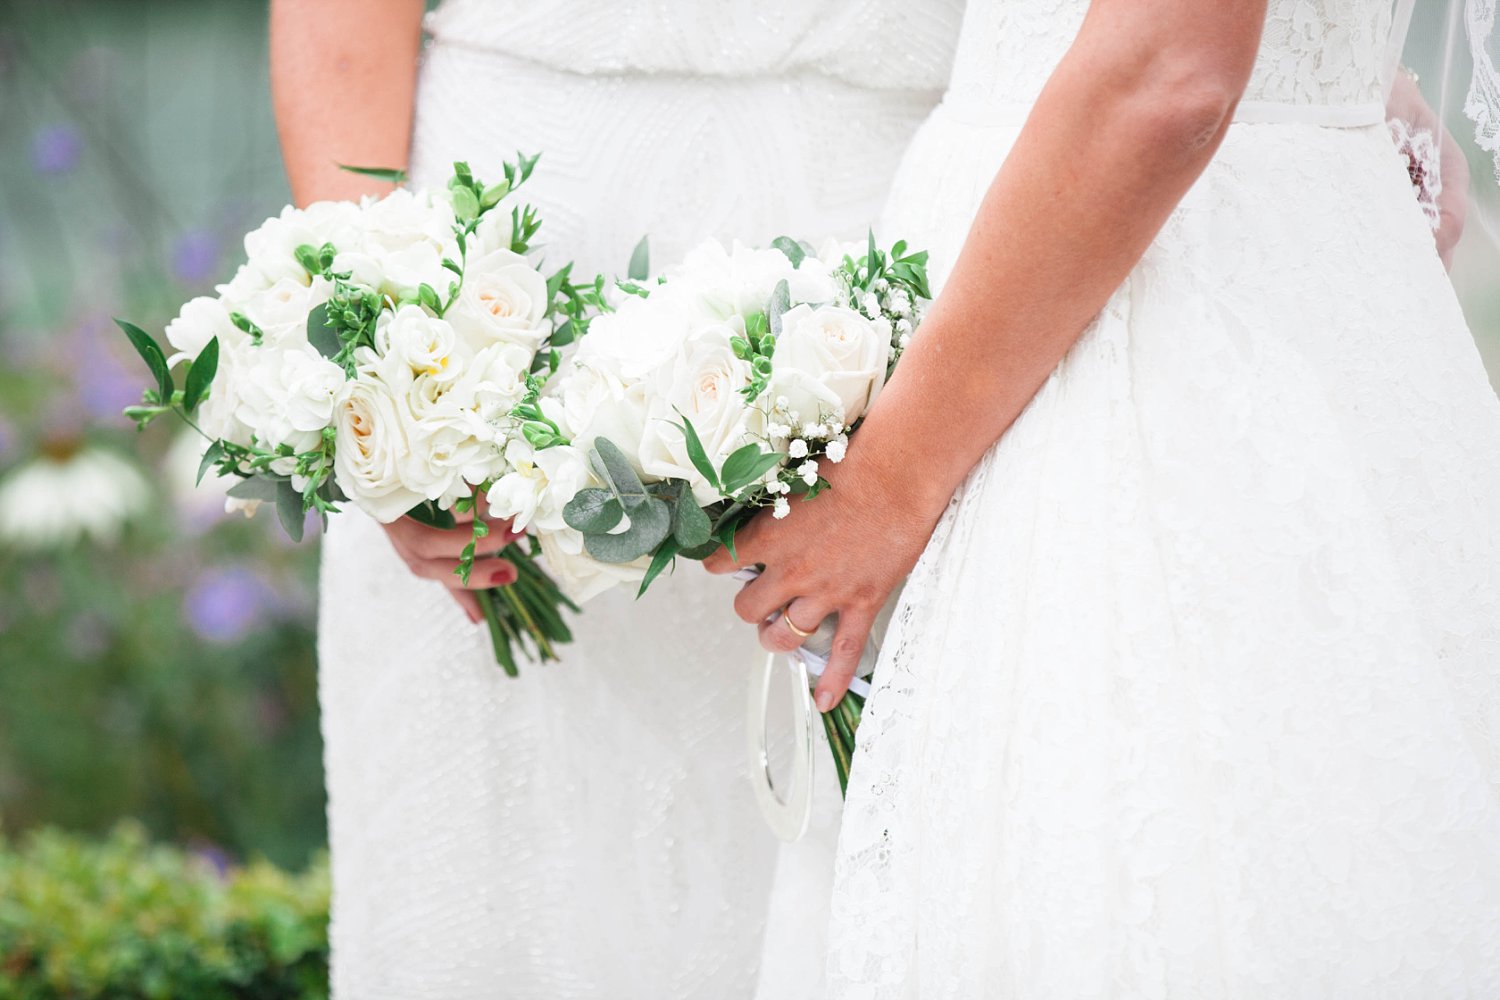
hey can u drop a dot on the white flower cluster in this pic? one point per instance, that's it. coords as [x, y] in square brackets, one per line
[422, 412]
[698, 349]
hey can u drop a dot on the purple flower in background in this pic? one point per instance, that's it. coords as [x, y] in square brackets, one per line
[195, 257]
[225, 603]
[56, 149]
[104, 381]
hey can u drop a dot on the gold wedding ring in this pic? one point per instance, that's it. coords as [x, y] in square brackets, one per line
[793, 625]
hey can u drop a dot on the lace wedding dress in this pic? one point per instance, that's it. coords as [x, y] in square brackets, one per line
[1196, 691]
[587, 830]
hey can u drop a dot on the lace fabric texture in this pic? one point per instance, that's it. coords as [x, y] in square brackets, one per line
[1196, 690]
[587, 831]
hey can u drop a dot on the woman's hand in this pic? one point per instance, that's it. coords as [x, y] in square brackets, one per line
[433, 554]
[842, 553]
[1407, 104]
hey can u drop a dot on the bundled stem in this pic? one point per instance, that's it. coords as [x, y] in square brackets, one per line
[528, 613]
[841, 723]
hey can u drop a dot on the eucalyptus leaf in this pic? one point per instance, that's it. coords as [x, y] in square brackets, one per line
[210, 458]
[150, 353]
[321, 334]
[592, 511]
[201, 375]
[613, 467]
[665, 556]
[289, 509]
[262, 488]
[690, 526]
[781, 301]
[791, 248]
[650, 524]
[640, 261]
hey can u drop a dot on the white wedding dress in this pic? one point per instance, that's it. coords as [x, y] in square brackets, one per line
[587, 830]
[1195, 692]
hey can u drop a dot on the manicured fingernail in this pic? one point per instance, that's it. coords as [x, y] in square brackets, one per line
[824, 701]
[503, 576]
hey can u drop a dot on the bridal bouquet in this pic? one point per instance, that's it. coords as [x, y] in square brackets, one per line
[704, 397]
[375, 353]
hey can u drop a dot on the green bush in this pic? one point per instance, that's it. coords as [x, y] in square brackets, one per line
[120, 919]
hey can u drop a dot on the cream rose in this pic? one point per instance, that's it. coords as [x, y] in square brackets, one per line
[281, 310]
[371, 446]
[503, 298]
[840, 348]
[702, 385]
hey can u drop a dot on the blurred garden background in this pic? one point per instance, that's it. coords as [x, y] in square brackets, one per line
[157, 663]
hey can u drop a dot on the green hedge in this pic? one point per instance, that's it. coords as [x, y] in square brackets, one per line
[121, 918]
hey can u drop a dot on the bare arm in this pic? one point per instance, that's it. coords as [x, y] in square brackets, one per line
[343, 85]
[1127, 123]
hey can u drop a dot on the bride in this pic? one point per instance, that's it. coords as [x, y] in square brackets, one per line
[1194, 690]
[585, 830]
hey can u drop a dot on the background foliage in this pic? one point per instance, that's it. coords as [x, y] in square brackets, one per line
[167, 675]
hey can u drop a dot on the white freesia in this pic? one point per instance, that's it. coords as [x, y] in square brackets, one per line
[371, 445]
[67, 496]
[580, 575]
[421, 343]
[199, 321]
[503, 298]
[838, 347]
[539, 486]
[702, 384]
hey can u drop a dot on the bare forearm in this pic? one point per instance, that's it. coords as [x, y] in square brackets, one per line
[1114, 142]
[343, 85]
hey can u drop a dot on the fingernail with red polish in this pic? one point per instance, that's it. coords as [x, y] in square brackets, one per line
[502, 577]
[824, 701]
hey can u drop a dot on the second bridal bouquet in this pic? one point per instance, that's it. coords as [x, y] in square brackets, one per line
[374, 353]
[705, 397]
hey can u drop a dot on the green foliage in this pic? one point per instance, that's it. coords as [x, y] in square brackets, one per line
[120, 918]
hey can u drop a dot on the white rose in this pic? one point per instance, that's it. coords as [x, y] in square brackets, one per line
[371, 445]
[580, 575]
[638, 337]
[793, 399]
[738, 281]
[701, 385]
[286, 396]
[502, 298]
[405, 237]
[595, 403]
[271, 248]
[423, 344]
[281, 310]
[838, 347]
